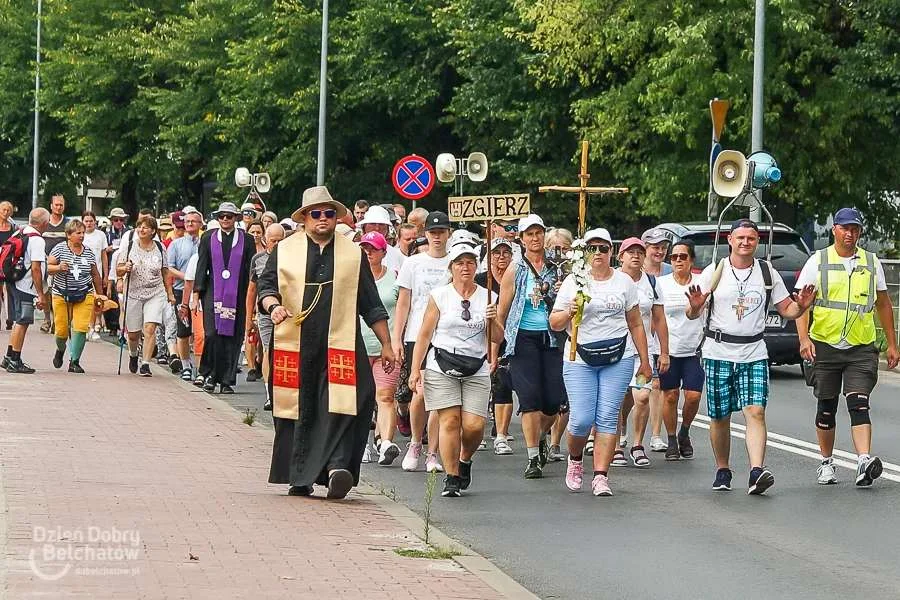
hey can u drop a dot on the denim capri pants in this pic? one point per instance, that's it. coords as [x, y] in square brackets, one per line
[596, 394]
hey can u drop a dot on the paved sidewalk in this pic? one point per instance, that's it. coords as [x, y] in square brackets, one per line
[126, 487]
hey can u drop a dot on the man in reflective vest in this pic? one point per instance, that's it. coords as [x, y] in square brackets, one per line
[840, 346]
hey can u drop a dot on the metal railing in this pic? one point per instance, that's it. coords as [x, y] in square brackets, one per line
[892, 276]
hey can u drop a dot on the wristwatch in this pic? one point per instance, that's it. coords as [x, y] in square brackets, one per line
[272, 308]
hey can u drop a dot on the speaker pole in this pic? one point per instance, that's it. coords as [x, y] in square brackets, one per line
[759, 61]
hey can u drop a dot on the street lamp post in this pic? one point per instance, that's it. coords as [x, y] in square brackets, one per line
[37, 120]
[323, 72]
[756, 135]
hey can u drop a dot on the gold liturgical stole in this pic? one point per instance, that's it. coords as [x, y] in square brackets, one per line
[341, 327]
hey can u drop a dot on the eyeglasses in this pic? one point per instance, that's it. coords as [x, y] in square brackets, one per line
[598, 248]
[680, 256]
[502, 253]
[511, 228]
[225, 216]
[466, 315]
[117, 220]
[329, 213]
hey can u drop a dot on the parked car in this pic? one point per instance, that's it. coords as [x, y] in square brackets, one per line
[789, 254]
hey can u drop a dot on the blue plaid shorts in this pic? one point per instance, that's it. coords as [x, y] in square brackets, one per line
[732, 386]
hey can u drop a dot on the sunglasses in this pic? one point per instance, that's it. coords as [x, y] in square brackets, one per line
[117, 220]
[329, 213]
[248, 213]
[680, 256]
[511, 228]
[225, 216]
[466, 315]
[598, 248]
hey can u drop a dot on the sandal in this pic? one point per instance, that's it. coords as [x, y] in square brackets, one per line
[639, 457]
[618, 459]
[589, 447]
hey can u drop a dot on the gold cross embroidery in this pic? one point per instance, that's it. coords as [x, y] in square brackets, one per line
[341, 367]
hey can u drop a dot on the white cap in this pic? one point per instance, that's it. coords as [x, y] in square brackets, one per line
[213, 224]
[500, 241]
[598, 234]
[289, 223]
[530, 221]
[461, 249]
[464, 236]
[190, 210]
[376, 215]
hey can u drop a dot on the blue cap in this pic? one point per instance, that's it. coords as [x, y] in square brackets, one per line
[744, 223]
[848, 216]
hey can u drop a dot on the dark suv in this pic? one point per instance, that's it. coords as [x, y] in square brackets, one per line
[789, 254]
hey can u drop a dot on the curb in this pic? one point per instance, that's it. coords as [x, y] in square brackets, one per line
[466, 558]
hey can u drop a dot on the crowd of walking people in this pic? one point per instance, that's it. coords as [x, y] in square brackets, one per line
[408, 326]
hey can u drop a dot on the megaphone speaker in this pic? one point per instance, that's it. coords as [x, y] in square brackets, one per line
[478, 166]
[445, 167]
[729, 173]
[242, 177]
[262, 182]
[765, 169]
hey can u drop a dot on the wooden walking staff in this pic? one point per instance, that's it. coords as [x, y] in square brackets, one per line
[583, 190]
[487, 255]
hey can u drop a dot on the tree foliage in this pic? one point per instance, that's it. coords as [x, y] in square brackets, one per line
[165, 98]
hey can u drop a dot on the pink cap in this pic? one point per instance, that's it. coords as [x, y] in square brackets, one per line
[374, 239]
[632, 241]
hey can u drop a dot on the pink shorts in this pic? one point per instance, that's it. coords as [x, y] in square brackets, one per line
[383, 380]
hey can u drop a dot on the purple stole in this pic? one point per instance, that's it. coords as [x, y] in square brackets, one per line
[225, 281]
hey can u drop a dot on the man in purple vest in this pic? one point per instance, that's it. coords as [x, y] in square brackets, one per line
[223, 275]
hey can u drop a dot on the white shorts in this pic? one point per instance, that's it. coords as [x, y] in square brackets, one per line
[139, 312]
[443, 391]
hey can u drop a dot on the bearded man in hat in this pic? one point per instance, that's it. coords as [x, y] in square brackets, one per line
[221, 282]
[315, 286]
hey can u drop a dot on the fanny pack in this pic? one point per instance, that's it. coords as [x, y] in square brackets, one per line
[603, 352]
[457, 365]
[73, 297]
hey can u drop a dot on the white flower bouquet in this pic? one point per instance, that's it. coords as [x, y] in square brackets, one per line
[581, 272]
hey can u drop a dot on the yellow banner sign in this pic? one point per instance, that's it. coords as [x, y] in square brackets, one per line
[485, 208]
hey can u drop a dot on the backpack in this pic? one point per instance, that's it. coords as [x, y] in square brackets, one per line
[766, 271]
[12, 257]
[652, 280]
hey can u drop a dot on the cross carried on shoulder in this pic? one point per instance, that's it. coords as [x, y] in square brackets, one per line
[583, 190]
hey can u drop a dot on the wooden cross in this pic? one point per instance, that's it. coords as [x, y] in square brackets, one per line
[583, 190]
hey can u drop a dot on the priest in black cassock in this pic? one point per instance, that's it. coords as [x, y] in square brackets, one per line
[315, 286]
[222, 279]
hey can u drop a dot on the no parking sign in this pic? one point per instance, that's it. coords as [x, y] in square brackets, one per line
[413, 177]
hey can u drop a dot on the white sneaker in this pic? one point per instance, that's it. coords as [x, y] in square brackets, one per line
[482, 446]
[502, 447]
[388, 454]
[826, 473]
[432, 464]
[367, 454]
[657, 444]
[93, 336]
[411, 460]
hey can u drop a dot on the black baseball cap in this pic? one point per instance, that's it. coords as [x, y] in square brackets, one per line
[744, 223]
[437, 220]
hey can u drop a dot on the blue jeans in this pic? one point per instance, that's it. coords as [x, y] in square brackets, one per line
[595, 395]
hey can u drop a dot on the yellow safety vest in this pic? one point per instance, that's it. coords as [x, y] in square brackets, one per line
[844, 301]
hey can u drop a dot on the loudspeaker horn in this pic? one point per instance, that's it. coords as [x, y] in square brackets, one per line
[445, 167]
[765, 169]
[262, 182]
[242, 177]
[478, 166]
[729, 173]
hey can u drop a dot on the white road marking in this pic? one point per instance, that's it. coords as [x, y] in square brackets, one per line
[802, 448]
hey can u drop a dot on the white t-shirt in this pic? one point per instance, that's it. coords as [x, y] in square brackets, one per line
[726, 309]
[190, 271]
[604, 315]
[96, 242]
[646, 302]
[809, 275]
[35, 251]
[393, 259]
[420, 274]
[114, 260]
[453, 333]
[684, 334]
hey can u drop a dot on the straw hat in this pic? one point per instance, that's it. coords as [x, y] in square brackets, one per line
[315, 196]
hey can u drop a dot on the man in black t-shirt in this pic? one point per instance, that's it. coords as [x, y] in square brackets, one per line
[53, 235]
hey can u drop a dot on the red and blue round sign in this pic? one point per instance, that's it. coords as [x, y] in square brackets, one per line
[413, 177]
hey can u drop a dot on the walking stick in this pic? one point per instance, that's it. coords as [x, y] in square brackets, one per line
[124, 329]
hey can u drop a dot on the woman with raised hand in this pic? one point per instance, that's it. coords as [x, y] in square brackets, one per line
[604, 305]
[457, 378]
[75, 287]
[142, 262]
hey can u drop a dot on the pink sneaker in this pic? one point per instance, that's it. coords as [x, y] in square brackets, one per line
[600, 486]
[574, 475]
[411, 460]
[432, 464]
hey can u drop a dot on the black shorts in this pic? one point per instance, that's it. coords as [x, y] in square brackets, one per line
[685, 372]
[182, 329]
[536, 373]
[851, 370]
[501, 384]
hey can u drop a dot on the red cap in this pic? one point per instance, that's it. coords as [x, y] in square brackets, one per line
[630, 242]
